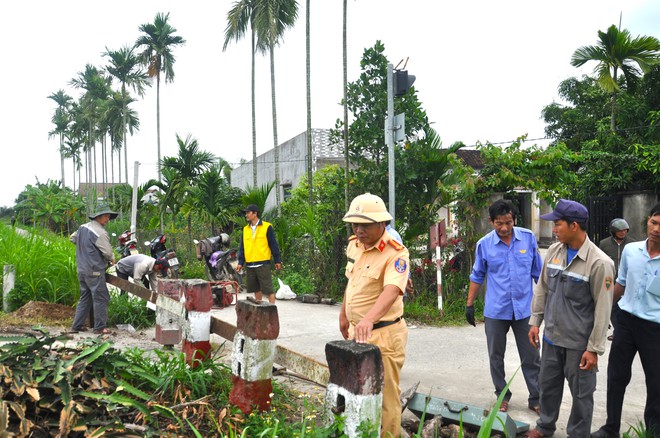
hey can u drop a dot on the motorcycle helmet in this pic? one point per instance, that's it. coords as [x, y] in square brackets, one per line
[618, 224]
[224, 238]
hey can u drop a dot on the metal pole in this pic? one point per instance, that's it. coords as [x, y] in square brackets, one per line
[438, 262]
[389, 138]
[136, 166]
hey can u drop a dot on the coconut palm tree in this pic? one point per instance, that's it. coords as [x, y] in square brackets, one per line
[617, 50]
[272, 18]
[156, 54]
[124, 66]
[239, 17]
[61, 121]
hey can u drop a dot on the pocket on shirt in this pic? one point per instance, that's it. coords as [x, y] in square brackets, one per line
[523, 263]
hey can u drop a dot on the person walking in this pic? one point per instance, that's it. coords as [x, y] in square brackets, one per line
[372, 311]
[142, 269]
[637, 330]
[574, 298]
[508, 259]
[93, 255]
[613, 247]
[256, 249]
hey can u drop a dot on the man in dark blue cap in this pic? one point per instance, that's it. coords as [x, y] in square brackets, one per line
[574, 298]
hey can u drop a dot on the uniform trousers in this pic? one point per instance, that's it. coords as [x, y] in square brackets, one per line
[496, 332]
[391, 340]
[557, 364]
[93, 293]
[633, 335]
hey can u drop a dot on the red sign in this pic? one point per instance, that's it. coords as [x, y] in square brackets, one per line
[438, 235]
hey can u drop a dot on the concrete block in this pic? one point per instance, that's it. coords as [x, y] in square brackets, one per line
[248, 396]
[356, 367]
[167, 336]
[354, 408]
[197, 295]
[252, 359]
[257, 320]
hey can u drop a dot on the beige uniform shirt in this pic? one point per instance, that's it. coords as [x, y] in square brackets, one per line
[368, 272]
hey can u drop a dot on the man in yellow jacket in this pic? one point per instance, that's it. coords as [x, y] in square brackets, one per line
[257, 247]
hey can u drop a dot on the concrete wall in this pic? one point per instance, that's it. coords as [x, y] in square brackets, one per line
[636, 208]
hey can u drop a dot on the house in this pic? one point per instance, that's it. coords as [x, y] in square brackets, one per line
[293, 163]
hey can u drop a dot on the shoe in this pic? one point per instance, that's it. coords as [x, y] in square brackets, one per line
[103, 331]
[504, 406]
[533, 433]
[600, 433]
[535, 408]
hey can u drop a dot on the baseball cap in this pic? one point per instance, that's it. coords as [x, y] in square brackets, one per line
[252, 207]
[566, 209]
[162, 263]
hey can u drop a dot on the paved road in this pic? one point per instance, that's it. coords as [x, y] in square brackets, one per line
[450, 362]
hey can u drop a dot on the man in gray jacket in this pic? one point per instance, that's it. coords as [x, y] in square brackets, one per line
[93, 255]
[142, 269]
[573, 297]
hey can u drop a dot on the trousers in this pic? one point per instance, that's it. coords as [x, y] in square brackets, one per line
[93, 294]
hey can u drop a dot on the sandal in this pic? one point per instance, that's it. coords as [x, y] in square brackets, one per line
[504, 406]
[103, 331]
[535, 408]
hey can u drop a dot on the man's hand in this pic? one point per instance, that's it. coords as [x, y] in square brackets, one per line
[343, 325]
[363, 331]
[589, 361]
[534, 336]
[469, 315]
[278, 266]
[238, 268]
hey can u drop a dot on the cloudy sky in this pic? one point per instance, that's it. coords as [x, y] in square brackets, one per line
[484, 70]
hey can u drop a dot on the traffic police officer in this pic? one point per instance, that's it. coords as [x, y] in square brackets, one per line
[377, 272]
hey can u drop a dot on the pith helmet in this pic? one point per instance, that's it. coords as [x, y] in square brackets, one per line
[367, 209]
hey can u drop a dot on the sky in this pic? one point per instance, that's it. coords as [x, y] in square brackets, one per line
[484, 70]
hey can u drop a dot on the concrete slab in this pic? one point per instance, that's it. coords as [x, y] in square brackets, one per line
[450, 362]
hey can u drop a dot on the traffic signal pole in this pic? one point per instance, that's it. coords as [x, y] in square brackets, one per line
[389, 139]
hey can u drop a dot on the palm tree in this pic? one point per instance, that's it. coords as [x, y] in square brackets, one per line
[238, 18]
[120, 119]
[309, 105]
[184, 169]
[61, 121]
[124, 66]
[156, 45]
[272, 18]
[616, 50]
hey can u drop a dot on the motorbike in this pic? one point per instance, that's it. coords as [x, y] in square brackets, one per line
[127, 244]
[220, 261]
[159, 250]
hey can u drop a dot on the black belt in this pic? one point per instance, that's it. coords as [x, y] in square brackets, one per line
[386, 323]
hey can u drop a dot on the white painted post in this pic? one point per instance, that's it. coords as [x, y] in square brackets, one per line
[8, 278]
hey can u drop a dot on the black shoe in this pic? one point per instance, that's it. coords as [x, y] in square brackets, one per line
[601, 433]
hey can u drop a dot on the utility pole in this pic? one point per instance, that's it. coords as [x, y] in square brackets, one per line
[389, 138]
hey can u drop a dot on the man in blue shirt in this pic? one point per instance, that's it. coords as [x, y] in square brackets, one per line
[508, 259]
[637, 329]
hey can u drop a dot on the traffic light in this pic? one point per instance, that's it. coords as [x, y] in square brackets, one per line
[402, 82]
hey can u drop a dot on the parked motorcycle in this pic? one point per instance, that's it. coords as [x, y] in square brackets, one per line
[127, 244]
[220, 261]
[160, 251]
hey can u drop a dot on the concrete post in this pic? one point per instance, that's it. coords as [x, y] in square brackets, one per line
[354, 390]
[8, 278]
[168, 325]
[198, 301]
[257, 329]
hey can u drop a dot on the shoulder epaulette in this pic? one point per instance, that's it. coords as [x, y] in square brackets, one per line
[396, 245]
[353, 237]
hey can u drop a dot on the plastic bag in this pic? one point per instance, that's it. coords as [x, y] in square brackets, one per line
[284, 292]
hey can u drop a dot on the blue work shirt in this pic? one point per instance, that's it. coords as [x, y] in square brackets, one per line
[509, 270]
[640, 275]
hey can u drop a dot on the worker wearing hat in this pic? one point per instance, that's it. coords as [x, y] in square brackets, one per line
[93, 255]
[377, 271]
[613, 247]
[257, 247]
[142, 269]
[573, 297]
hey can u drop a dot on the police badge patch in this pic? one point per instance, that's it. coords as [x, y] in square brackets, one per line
[400, 265]
[608, 282]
